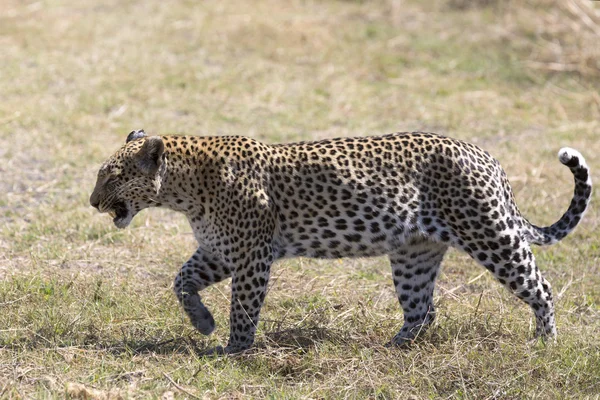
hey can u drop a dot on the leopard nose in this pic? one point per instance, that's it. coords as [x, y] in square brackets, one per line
[94, 202]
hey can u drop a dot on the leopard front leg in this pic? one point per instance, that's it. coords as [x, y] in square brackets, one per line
[199, 272]
[248, 291]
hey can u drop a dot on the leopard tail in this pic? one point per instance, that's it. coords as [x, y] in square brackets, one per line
[581, 198]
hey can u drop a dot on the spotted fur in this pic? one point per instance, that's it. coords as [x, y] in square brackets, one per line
[407, 195]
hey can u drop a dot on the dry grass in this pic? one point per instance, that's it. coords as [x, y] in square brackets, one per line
[87, 311]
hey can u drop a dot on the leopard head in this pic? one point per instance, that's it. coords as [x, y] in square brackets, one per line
[130, 179]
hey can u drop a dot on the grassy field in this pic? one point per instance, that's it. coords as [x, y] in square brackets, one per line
[88, 311]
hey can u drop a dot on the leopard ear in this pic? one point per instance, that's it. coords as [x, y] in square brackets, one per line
[149, 157]
[133, 135]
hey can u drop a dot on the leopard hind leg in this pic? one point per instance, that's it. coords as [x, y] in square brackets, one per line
[509, 258]
[415, 267]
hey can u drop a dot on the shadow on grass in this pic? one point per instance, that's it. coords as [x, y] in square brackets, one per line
[180, 345]
[300, 338]
[296, 339]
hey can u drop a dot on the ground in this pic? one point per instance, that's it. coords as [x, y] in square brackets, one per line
[88, 310]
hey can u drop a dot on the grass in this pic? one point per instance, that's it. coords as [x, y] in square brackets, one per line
[86, 310]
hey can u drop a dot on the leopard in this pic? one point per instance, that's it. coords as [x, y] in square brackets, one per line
[409, 196]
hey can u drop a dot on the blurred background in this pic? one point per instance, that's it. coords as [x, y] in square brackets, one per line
[519, 78]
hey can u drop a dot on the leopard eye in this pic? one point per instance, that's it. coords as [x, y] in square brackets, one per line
[112, 179]
[109, 179]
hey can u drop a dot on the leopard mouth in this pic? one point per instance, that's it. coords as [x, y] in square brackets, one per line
[120, 214]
